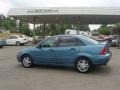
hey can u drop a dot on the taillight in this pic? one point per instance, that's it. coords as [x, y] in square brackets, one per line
[103, 51]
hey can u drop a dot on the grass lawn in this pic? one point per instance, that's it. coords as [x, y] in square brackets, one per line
[5, 35]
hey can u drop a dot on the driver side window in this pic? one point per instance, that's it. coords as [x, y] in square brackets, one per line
[12, 37]
[51, 42]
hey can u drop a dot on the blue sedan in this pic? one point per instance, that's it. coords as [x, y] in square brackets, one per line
[78, 51]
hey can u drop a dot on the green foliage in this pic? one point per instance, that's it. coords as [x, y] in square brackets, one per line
[9, 23]
[84, 28]
[24, 28]
[2, 17]
[38, 30]
[51, 29]
[116, 29]
[104, 30]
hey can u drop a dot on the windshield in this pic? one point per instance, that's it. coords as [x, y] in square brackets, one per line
[21, 36]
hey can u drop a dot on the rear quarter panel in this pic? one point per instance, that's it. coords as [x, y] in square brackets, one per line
[89, 51]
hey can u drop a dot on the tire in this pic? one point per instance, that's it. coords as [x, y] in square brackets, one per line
[27, 61]
[18, 43]
[83, 65]
[1, 46]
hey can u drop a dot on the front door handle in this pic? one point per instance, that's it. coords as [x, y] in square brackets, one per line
[51, 50]
[72, 49]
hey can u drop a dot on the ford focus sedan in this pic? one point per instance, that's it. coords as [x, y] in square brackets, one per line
[78, 51]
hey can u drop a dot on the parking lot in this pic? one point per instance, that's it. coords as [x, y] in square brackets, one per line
[15, 77]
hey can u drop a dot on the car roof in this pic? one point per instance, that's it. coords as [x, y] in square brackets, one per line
[17, 35]
[14, 35]
[73, 35]
[70, 35]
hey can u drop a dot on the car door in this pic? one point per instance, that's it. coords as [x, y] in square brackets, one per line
[11, 40]
[7, 40]
[45, 53]
[67, 49]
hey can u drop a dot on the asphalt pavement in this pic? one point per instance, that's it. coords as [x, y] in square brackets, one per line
[15, 77]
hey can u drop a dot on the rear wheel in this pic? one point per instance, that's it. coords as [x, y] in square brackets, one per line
[83, 65]
[18, 43]
[27, 61]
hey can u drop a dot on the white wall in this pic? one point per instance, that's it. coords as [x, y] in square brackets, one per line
[70, 31]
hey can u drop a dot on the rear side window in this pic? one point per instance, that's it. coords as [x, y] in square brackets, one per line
[69, 41]
[13, 37]
[21, 36]
[89, 40]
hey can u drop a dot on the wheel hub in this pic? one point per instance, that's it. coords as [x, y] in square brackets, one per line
[26, 61]
[83, 65]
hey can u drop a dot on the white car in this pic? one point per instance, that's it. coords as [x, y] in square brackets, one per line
[115, 40]
[30, 39]
[16, 40]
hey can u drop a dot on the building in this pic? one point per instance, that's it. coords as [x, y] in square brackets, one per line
[72, 15]
[71, 31]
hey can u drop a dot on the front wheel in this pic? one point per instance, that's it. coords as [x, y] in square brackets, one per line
[27, 61]
[83, 65]
[1, 46]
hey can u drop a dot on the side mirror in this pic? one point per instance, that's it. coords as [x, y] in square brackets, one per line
[37, 46]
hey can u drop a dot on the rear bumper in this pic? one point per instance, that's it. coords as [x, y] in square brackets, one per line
[101, 59]
[2, 43]
[24, 42]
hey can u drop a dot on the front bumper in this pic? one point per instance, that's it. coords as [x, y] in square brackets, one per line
[19, 57]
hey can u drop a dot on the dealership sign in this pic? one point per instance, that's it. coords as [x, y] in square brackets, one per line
[43, 11]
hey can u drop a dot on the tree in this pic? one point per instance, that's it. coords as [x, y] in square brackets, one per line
[104, 30]
[62, 27]
[55, 29]
[9, 23]
[24, 28]
[84, 28]
[52, 29]
[116, 29]
[2, 18]
[38, 30]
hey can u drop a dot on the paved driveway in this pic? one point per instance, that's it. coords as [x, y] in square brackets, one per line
[14, 77]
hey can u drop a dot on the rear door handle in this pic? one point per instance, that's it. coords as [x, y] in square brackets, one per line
[72, 49]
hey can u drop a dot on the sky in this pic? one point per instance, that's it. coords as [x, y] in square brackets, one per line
[6, 4]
